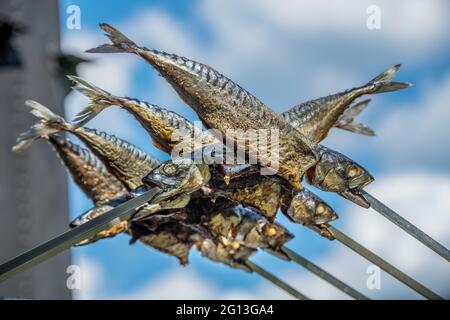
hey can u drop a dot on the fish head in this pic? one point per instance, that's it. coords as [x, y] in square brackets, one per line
[337, 173]
[259, 232]
[275, 235]
[307, 208]
[174, 178]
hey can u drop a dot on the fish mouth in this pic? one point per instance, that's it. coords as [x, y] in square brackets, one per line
[361, 181]
[355, 196]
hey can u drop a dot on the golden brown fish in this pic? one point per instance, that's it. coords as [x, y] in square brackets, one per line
[125, 161]
[221, 104]
[91, 176]
[315, 118]
[88, 173]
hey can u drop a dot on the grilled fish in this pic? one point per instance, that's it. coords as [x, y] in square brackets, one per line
[304, 207]
[91, 176]
[88, 173]
[125, 161]
[337, 173]
[175, 189]
[315, 118]
[223, 105]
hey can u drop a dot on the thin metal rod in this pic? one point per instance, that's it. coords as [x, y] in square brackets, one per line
[323, 274]
[66, 240]
[276, 281]
[407, 226]
[383, 264]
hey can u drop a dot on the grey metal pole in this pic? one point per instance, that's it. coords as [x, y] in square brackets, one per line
[383, 264]
[276, 281]
[69, 238]
[407, 226]
[323, 274]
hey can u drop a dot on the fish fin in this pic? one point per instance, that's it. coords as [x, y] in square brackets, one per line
[383, 83]
[50, 123]
[347, 120]
[120, 43]
[100, 100]
[356, 127]
[356, 108]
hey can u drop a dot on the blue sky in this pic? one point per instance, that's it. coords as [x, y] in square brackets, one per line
[284, 52]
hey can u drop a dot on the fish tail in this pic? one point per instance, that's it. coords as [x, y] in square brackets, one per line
[357, 127]
[49, 123]
[383, 82]
[100, 100]
[348, 120]
[120, 43]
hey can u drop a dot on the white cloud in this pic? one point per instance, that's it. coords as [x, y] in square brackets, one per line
[419, 132]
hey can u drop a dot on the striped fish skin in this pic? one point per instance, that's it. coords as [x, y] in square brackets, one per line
[124, 160]
[315, 118]
[167, 129]
[88, 173]
[222, 104]
[217, 108]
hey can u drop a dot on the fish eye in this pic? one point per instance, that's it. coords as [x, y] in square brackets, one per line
[353, 172]
[271, 231]
[170, 169]
[320, 209]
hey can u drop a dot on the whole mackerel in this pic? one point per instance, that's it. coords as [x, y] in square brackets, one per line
[223, 105]
[122, 159]
[316, 117]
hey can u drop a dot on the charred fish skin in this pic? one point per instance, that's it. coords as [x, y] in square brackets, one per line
[122, 159]
[175, 237]
[216, 251]
[170, 237]
[306, 208]
[233, 225]
[316, 117]
[222, 104]
[89, 174]
[176, 182]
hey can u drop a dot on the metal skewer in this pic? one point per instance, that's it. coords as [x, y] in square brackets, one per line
[383, 264]
[122, 212]
[68, 239]
[276, 281]
[323, 274]
[407, 226]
